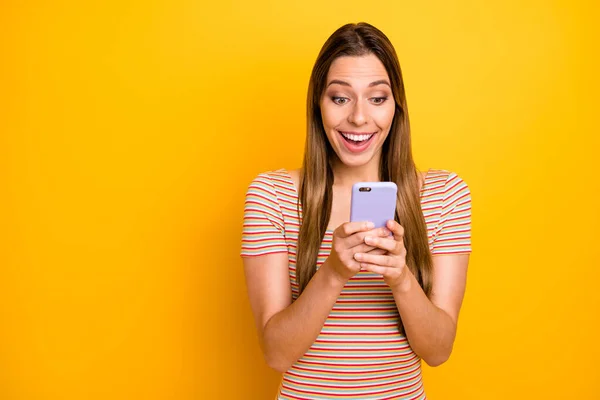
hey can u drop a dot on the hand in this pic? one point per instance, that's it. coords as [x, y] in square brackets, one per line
[392, 265]
[348, 239]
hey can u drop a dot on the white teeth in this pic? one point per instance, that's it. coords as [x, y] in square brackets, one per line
[357, 138]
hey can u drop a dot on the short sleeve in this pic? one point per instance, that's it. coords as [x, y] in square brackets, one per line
[454, 228]
[263, 230]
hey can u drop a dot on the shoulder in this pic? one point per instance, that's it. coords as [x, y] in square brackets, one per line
[269, 179]
[455, 191]
[294, 174]
[449, 178]
[455, 184]
[447, 186]
[274, 184]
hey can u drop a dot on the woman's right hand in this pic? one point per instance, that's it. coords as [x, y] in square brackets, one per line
[349, 239]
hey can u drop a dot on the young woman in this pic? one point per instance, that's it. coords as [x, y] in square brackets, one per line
[344, 310]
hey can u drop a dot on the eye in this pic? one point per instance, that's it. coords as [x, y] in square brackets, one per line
[339, 98]
[381, 100]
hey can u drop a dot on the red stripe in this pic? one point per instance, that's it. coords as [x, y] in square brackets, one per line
[359, 325]
[370, 393]
[342, 309]
[258, 255]
[367, 301]
[375, 384]
[340, 356]
[455, 182]
[348, 372]
[248, 224]
[265, 247]
[361, 317]
[451, 245]
[458, 218]
[346, 365]
[275, 242]
[451, 206]
[258, 203]
[403, 342]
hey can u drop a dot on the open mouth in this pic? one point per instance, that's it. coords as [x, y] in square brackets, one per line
[357, 142]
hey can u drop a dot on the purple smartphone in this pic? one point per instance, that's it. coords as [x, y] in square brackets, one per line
[373, 201]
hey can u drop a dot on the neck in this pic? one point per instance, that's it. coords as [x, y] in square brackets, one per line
[344, 176]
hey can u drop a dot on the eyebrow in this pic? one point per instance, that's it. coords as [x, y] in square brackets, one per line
[344, 83]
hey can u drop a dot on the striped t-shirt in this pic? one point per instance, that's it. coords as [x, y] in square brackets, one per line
[359, 353]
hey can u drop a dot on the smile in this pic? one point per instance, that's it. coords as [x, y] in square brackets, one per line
[357, 137]
[357, 142]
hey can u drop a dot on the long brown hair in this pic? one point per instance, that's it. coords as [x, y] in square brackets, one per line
[397, 165]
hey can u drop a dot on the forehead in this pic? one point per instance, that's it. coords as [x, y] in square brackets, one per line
[357, 69]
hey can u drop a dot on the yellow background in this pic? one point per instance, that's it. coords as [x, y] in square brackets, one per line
[131, 129]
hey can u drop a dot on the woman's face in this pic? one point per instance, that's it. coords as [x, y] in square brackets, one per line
[357, 108]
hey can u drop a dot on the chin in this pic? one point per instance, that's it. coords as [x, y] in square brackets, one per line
[356, 161]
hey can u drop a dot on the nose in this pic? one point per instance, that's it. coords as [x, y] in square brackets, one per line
[357, 115]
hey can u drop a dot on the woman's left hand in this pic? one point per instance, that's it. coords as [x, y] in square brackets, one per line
[392, 264]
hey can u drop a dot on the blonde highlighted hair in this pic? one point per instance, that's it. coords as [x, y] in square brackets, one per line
[397, 164]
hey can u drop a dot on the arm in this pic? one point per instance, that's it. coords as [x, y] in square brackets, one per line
[430, 325]
[286, 330]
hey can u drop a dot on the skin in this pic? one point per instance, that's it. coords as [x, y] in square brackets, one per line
[287, 329]
[357, 107]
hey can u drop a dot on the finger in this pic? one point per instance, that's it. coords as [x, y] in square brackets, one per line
[361, 248]
[365, 248]
[382, 260]
[359, 237]
[376, 251]
[350, 228]
[377, 269]
[388, 244]
[397, 230]
[381, 232]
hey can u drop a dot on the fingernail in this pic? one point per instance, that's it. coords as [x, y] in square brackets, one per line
[358, 256]
[370, 225]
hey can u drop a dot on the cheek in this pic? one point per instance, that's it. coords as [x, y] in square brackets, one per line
[384, 116]
[332, 115]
